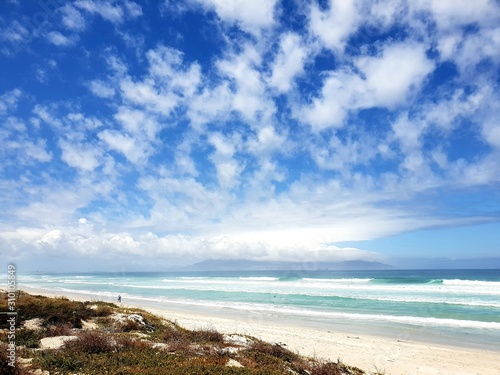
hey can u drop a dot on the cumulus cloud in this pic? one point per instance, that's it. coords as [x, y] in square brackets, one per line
[101, 89]
[58, 39]
[72, 18]
[390, 77]
[334, 25]
[82, 157]
[383, 80]
[251, 15]
[249, 98]
[227, 167]
[18, 144]
[288, 63]
[9, 100]
[115, 13]
[271, 136]
[136, 152]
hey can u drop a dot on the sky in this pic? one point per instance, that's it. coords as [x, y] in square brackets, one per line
[144, 135]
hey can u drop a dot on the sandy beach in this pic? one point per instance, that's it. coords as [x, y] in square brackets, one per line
[392, 356]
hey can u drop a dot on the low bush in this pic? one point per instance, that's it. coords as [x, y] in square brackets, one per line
[28, 338]
[91, 342]
[63, 361]
[206, 336]
[103, 310]
[130, 325]
[58, 330]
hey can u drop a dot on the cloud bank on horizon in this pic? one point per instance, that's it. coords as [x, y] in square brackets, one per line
[245, 128]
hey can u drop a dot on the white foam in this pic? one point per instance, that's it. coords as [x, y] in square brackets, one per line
[336, 281]
[459, 282]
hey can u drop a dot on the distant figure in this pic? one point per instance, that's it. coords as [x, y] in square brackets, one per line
[119, 299]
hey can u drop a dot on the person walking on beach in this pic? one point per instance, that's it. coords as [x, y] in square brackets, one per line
[119, 299]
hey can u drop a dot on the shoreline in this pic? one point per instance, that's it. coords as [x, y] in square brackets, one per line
[370, 353]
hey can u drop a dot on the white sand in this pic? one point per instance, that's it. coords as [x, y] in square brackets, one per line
[370, 353]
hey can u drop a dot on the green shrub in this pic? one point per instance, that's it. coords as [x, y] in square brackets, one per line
[206, 336]
[103, 310]
[91, 342]
[28, 338]
[60, 360]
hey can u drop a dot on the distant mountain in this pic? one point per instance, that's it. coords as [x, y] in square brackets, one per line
[254, 265]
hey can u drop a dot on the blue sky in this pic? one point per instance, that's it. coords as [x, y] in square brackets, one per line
[149, 134]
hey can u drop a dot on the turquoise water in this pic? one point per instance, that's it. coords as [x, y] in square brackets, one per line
[458, 307]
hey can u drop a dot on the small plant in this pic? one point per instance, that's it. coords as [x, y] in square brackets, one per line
[326, 368]
[28, 338]
[130, 325]
[62, 360]
[129, 343]
[103, 310]
[91, 342]
[207, 335]
[58, 330]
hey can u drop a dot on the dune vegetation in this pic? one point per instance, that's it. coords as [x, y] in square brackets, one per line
[60, 336]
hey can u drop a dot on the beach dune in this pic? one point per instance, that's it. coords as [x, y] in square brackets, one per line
[371, 353]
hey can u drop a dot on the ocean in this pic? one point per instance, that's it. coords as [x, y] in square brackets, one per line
[453, 307]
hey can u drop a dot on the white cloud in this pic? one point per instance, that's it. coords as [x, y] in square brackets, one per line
[136, 152]
[409, 133]
[58, 39]
[385, 80]
[330, 108]
[166, 66]
[490, 119]
[14, 33]
[9, 100]
[101, 89]
[491, 131]
[251, 15]
[167, 85]
[232, 167]
[106, 10]
[133, 9]
[37, 150]
[390, 77]
[81, 156]
[51, 205]
[467, 32]
[250, 97]
[288, 63]
[138, 123]
[227, 167]
[18, 143]
[450, 14]
[334, 26]
[343, 155]
[85, 241]
[266, 142]
[72, 18]
[210, 105]
[476, 48]
[147, 95]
